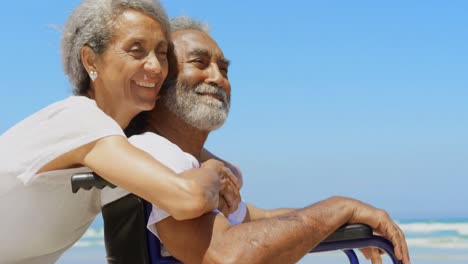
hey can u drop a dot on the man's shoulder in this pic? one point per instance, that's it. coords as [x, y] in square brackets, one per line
[149, 140]
[163, 150]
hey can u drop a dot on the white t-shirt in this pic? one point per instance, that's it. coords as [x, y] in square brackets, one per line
[174, 158]
[40, 216]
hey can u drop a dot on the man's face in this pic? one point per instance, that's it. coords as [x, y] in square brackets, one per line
[201, 93]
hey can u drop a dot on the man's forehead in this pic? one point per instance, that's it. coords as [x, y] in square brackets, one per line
[188, 41]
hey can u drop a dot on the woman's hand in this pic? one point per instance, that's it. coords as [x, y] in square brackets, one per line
[229, 196]
[206, 155]
[229, 199]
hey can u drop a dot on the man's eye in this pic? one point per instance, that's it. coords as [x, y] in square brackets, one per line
[162, 56]
[162, 53]
[199, 63]
[223, 70]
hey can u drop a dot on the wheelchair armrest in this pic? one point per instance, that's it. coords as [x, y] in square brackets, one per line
[355, 236]
[348, 232]
[88, 180]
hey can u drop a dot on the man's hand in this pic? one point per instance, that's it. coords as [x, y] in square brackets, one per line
[229, 196]
[384, 226]
[372, 254]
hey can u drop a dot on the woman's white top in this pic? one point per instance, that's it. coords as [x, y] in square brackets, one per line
[40, 216]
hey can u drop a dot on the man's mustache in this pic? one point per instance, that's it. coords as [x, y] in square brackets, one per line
[212, 89]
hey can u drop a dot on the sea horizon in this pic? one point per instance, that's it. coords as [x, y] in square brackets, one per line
[430, 241]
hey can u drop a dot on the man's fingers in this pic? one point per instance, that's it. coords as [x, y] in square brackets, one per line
[404, 246]
[372, 254]
[397, 240]
[382, 224]
[397, 237]
[376, 259]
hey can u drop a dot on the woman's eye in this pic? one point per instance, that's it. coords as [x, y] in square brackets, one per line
[137, 50]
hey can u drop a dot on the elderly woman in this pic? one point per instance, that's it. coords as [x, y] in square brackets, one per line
[114, 52]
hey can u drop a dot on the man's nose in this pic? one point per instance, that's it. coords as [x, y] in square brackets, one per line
[215, 76]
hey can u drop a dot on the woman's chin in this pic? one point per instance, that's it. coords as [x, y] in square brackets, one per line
[147, 105]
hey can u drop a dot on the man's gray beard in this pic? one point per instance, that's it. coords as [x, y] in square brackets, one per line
[202, 112]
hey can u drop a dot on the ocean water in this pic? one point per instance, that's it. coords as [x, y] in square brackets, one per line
[429, 241]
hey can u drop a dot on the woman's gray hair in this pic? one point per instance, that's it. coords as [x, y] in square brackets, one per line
[91, 23]
[188, 23]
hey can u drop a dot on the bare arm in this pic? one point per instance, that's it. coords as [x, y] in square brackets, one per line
[185, 196]
[281, 239]
[254, 213]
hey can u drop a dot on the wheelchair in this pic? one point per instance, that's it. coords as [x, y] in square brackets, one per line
[127, 240]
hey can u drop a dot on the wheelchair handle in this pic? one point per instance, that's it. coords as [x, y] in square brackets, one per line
[88, 180]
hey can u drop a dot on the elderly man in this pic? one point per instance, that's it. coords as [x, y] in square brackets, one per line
[195, 101]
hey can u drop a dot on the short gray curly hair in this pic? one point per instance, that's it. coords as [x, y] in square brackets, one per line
[188, 23]
[91, 24]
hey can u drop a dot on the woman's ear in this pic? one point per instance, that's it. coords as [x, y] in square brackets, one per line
[88, 58]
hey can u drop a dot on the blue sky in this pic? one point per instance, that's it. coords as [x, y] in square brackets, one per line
[356, 98]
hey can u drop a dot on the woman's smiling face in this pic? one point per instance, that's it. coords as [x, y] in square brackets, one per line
[133, 67]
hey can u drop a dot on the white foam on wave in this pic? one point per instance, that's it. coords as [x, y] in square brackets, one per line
[94, 233]
[438, 243]
[92, 237]
[88, 243]
[460, 228]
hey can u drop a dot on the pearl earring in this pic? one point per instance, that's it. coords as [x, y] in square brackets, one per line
[93, 75]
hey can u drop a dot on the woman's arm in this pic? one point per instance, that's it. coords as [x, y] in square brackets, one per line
[184, 196]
